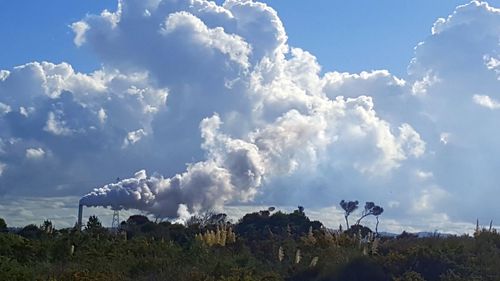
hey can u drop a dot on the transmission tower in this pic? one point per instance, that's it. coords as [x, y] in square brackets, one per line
[115, 224]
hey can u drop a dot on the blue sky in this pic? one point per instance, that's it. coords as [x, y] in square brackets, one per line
[39, 30]
[199, 105]
[361, 35]
[347, 36]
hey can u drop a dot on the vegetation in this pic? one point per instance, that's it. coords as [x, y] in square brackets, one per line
[348, 207]
[370, 209]
[265, 245]
[3, 225]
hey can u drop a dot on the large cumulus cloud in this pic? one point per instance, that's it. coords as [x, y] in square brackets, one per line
[286, 122]
[72, 120]
[213, 99]
[454, 70]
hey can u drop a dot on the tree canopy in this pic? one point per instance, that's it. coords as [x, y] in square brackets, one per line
[348, 207]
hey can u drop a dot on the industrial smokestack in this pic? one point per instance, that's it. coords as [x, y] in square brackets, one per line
[80, 215]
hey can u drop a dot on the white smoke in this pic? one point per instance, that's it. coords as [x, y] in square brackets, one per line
[232, 172]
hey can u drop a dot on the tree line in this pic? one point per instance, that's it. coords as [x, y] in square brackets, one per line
[264, 245]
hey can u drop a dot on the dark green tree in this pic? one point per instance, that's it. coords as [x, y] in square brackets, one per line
[93, 222]
[94, 226]
[30, 231]
[47, 227]
[3, 225]
[137, 220]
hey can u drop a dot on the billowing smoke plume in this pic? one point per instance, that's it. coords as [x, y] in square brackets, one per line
[233, 172]
[218, 87]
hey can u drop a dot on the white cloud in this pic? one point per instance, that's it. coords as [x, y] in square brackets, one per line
[428, 200]
[393, 204]
[79, 28]
[486, 101]
[410, 141]
[420, 86]
[232, 45]
[4, 74]
[101, 114]
[56, 125]
[444, 138]
[491, 62]
[475, 12]
[26, 111]
[2, 168]
[4, 109]
[79, 118]
[35, 153]
[424, 175]
[133, 137]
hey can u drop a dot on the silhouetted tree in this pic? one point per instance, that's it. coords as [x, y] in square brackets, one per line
[30, 231]
[137, 220]
[348, 207]
[3, 225]
[94, 225]
[258, 225]
[94, 222]
[377, 211]
[358, 229]
[301, 210]
[370, 209]
[366, 212]
[208, 218]
[47, 227]
[265, 213]
[406, 235]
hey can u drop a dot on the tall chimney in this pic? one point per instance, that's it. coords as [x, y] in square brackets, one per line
[80, 215]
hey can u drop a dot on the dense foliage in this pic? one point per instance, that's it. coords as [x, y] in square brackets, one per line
[265, 245]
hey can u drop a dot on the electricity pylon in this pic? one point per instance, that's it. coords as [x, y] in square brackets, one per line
[115, 224]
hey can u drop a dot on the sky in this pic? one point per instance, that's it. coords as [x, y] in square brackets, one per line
[337, 34]
[176, 107]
